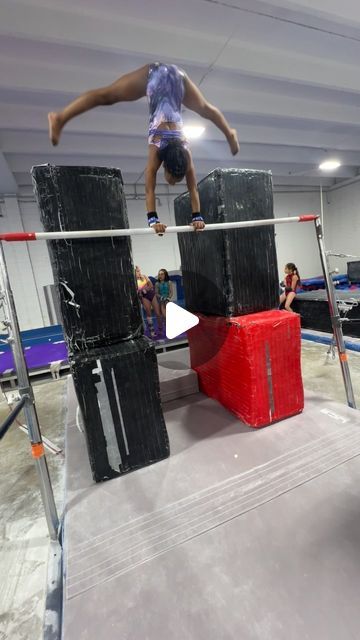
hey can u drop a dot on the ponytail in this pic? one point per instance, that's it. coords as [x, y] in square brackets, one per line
[294, 269]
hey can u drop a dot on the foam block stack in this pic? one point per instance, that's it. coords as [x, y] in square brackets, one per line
[114, 367]
[230, 272]
[94, 277]
[245, 351]
[255, 372]
[119, 397]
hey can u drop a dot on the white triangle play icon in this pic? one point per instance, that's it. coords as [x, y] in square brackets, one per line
[178, 320]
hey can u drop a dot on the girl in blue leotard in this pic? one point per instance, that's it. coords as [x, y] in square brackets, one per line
[164, 290]
[167, 88]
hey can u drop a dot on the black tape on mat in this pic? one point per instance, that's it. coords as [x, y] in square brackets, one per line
[119, 396]
[94, 277]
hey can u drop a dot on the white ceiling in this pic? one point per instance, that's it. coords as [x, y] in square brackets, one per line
[285, 73]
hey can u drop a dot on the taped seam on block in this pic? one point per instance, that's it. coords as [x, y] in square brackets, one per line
[37, 450]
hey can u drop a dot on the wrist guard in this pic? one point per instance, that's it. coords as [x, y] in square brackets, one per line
[197, 217]
[152, 218]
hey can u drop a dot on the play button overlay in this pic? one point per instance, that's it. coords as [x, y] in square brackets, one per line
[205, 303]
[178, 320]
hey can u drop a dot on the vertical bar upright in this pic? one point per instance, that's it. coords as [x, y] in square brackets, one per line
[25, 391]
[335, 316]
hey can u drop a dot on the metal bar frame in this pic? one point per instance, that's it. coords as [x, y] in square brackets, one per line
[26, 394]
[25, 389]
[335, 316]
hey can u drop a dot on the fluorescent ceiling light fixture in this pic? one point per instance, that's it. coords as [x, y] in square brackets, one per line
[329, 165]
[193, 132]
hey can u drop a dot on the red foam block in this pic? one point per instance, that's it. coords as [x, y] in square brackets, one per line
[250, 364]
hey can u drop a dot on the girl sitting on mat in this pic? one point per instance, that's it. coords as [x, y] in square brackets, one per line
[146, 293]
[167, 88]
[164, 290]
[292, 282]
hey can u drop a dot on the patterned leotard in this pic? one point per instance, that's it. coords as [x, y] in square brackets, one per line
[144, 290]
[164, 290]
[165, 92]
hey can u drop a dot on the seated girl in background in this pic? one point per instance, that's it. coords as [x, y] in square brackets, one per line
[148, 299]
[167, 88]
[164, 290]
[292, 282]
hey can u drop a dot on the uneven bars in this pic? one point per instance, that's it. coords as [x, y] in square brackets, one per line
[109, 233]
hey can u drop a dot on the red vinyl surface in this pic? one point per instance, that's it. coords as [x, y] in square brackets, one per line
[250, 364]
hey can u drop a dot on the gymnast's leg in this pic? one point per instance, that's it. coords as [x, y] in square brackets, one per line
[194, 100]
[289, 299]
[159, 317]
[129, 87]
[149, 321]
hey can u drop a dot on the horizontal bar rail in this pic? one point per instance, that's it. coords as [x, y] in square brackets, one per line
[111, 233]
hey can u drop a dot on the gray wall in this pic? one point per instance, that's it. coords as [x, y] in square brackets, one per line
[28, 263]
[342, 223]
[297, 242]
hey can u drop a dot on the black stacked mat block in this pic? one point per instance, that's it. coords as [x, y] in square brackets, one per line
[119, 396]
[94, 277]
[313, 308]
[231, 272]
[353, 271]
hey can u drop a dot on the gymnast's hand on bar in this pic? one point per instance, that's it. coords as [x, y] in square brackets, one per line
[159, 228]
[198, 226]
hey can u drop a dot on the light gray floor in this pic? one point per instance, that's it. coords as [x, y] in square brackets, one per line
[23, 532]
[24, 542]
[322, 373]
[241, 533]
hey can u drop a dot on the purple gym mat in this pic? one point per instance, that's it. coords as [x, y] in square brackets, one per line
[37, 356]
[160, 336]
[41, 355]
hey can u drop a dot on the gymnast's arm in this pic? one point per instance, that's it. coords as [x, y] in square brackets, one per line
[152, 167]
[194, 196]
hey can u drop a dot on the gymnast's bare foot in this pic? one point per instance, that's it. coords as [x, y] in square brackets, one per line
[55, 127]
[234, 142]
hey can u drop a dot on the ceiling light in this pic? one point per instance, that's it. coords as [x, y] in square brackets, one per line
[329, 165]
[192, 132]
